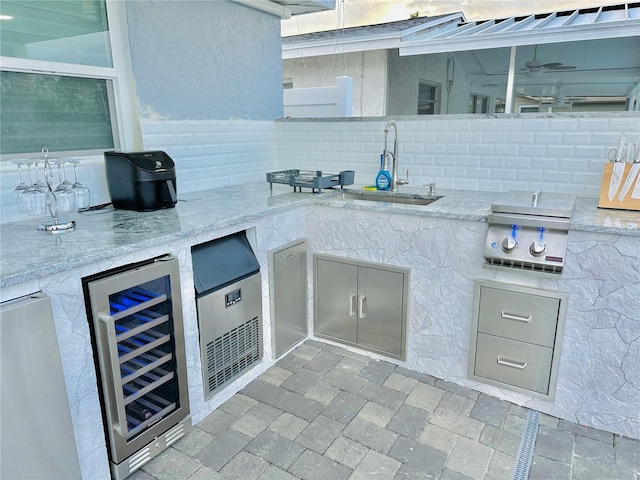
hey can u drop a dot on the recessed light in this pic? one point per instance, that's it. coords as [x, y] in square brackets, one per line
[6, 17]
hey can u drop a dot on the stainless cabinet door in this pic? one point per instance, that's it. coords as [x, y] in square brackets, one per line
[336, 299]
[37, 438]
[289, 297]
[379, 311]
[520, 316]
[512, 362]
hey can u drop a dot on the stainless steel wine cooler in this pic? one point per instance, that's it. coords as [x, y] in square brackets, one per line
[137, 331]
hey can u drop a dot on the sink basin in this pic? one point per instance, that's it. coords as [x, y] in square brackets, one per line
[387, 198]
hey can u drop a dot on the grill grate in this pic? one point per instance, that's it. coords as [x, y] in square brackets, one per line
[232, 353]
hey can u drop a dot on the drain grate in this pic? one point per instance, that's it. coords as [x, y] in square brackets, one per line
[525, 452]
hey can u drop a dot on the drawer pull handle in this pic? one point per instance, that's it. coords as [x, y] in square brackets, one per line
[361, 313]
[290, 255]
[351, 309]
[517, 318]
[511, 363]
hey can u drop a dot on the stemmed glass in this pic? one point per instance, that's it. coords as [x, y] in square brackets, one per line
[83, 194]
[19, 189]
[34, 198]
[64, 193]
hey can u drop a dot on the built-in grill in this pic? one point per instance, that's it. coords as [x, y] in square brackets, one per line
[528, 231]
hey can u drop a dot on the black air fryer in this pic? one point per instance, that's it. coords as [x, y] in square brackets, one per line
[142, 181]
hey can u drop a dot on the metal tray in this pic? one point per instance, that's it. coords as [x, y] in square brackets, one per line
[313, 179]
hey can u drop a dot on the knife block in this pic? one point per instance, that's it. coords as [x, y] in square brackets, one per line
[627, 203]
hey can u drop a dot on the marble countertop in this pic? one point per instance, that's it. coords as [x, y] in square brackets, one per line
[27, 254]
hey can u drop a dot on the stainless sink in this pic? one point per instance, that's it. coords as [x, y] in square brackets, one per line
[390, 198]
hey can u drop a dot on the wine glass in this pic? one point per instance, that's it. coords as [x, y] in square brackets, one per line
[83, 194]
[65, 196]
[17, 191]
[33, 198]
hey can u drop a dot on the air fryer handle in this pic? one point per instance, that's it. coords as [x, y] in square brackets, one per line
[172, 191]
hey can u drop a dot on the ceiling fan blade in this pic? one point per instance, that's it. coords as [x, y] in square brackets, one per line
[551, 65]
[563, 67]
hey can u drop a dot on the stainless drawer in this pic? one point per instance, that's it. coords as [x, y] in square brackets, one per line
[514, 363]
[521, 316]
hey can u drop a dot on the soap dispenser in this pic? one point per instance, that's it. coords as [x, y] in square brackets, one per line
[383, 179]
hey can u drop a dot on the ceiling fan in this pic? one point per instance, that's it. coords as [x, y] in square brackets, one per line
[535, 67]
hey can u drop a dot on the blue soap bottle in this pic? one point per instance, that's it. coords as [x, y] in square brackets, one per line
[383, 179]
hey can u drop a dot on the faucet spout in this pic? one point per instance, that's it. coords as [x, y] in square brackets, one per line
[395, 181]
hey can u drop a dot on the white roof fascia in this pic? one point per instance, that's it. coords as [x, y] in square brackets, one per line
[338, 45]
[628, 28]
[363, 43]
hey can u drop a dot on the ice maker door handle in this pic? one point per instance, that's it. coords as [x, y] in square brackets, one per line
[108, 348]
[361, 313]
[351, 300]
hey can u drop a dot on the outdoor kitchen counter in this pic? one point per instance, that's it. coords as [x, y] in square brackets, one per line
[27, 254]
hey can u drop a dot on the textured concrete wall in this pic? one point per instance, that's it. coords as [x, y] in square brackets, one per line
[197, 60]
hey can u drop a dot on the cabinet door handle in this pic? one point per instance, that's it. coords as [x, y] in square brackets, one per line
[109, 351]
[351, 299]
[517, 318]
[290, 255]
[511, 363]
[361, 313]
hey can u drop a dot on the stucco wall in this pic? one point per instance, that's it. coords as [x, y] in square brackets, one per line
[405, 73]
[201, 60]
[367, 69]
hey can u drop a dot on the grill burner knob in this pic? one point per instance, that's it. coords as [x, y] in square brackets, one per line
[509, 244]
[537, 248]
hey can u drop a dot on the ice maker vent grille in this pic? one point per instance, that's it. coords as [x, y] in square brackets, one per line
[232, 353]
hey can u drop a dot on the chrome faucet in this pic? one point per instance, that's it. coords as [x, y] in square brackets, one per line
[395, 181]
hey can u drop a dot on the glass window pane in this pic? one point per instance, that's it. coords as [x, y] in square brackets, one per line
[593, 75]
[61, 113]
[70, 31]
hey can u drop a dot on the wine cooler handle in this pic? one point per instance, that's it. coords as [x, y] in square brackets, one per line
[108, 347]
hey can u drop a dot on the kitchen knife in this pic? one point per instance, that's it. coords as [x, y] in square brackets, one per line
[634, 155]
[618, 169]
[636, 191]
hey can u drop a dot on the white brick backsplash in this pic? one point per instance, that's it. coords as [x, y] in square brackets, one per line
[547, 138]
[624, 125]
[563, 152]
[560, 150]
[576, 138]
[592, 124]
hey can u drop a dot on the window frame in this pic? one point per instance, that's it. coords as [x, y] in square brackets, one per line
[123, 116]
[437, 100]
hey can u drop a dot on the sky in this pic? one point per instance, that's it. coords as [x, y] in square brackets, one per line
[352, 13]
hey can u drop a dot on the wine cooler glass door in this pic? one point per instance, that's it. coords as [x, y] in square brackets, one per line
[137, 319]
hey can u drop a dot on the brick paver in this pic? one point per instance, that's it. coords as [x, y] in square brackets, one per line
[327, 413]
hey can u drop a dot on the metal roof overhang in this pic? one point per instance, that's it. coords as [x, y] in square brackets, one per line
[359, 43]
[286, 8]
[529, 31]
